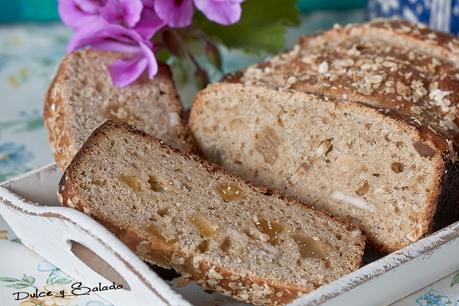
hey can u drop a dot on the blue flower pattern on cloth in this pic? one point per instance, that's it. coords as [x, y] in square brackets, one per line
[434, 298]
[56, 276]
[46, 278]
[13, 156]
[442, 15]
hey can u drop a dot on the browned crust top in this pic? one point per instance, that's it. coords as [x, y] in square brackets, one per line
[54, 118]
[388, 64]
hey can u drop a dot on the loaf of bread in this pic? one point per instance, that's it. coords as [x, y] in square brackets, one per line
[81, 97]
[361, 121]
[179, 211]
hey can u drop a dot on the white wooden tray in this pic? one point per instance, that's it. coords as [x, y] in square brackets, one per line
[88, 252]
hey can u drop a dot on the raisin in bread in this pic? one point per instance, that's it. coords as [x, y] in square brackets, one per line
[374, 140]
[81, 97]
[179, 211]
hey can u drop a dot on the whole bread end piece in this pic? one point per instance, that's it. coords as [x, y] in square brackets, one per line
[81, 97]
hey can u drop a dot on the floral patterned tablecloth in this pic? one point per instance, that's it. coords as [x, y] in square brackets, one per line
[28, 58]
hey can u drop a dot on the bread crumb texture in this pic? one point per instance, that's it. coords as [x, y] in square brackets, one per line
[211, 227]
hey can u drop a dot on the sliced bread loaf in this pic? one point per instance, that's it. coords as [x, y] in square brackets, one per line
[81, 97]
[179, 211]
[385, 64]
[375, 143]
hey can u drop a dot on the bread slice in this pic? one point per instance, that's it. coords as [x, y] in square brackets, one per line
[81, 97]
[377, 141]
[179, 211]
[346, 158]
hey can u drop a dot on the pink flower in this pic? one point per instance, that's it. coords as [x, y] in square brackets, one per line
[149, 23]
[127, 26]
[132, 14]
[175, 13]
[78, 13]
[115, 25]
[225, 12]
[113, 37]
[179, 13]
[123, 12]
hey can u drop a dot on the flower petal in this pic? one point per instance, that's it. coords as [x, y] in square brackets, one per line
[72, 14]
[45, 266]
[175, 13]
[107, 37]
[113, 37]
[126, 71]
[112, 12]
[86, 35]
[224, 12]
[123, 12]
[79, 13]
[149, 23]
[150, 57]
[7, 148]
[13, 156]
[132, 10]
[148, 3]
[91, 6]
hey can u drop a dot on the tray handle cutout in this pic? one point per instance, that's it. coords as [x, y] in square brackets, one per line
[97, 264]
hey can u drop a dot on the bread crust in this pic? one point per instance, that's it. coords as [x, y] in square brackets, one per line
[54, 113]
[247, 288]
[448, 209]
[436, 44]
[436, 118]
[57, 115]
[441, 44]
[442, 204]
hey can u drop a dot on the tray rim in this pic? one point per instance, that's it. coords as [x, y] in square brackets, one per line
[423, 247]
[148, 278]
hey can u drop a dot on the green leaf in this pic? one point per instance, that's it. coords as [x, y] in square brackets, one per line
[34, 124]
[213, 55]
[19, 285]
[162, 55]
[7, 124]
[262, 26]
[8, 279]
[5, 176]
[455, 280]
[28, 279]
[46, 61]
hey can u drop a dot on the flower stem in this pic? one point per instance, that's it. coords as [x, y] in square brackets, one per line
[177, 46]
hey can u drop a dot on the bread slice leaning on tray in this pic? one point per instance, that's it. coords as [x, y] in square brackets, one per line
[177, 210]
[81, 97]
[361, 121]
